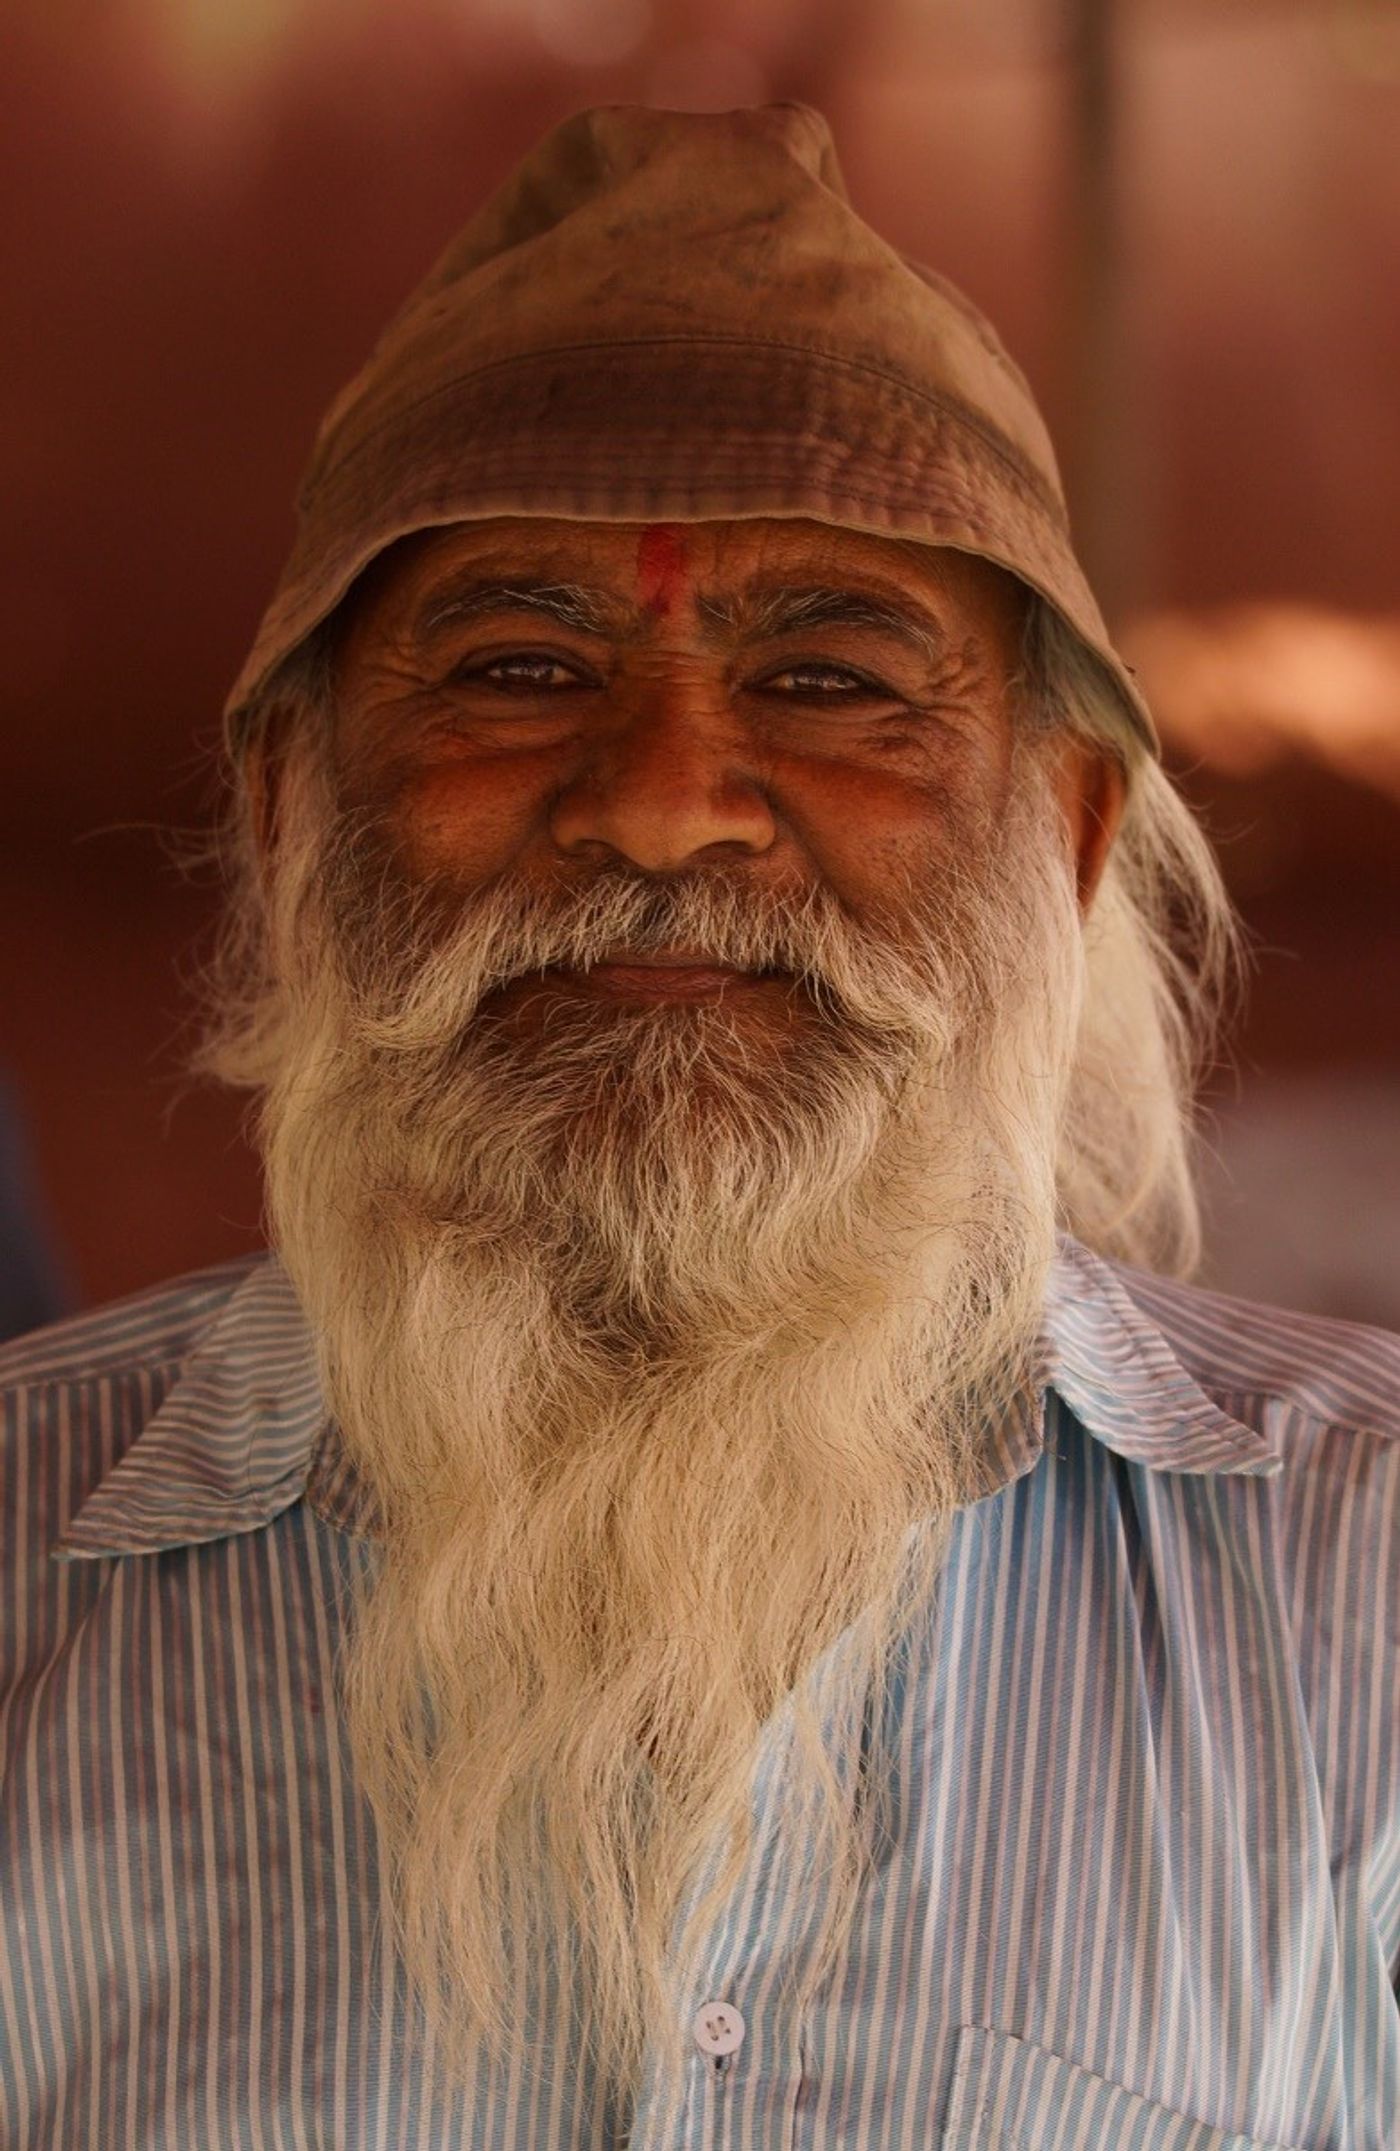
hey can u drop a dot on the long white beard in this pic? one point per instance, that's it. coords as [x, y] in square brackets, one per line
[668, 1354]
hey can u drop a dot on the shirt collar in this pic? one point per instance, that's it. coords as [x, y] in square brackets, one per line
[230, 1446]
[243, 1432]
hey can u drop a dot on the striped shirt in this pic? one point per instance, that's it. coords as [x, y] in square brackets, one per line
[1142, 1883]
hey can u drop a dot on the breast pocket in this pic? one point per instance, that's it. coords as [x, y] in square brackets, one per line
[1010, 2096]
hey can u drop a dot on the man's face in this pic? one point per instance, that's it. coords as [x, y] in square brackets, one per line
[796, 705]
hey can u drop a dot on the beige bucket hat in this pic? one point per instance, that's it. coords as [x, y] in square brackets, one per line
[672, 317]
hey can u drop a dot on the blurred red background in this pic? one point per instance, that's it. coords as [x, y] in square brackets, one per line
[1184, 219]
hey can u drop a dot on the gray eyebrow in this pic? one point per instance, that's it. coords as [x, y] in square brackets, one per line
[573, 605]
[757, 615]
[784, 611]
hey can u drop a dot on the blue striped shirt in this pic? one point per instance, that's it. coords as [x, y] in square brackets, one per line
[1142, 1886]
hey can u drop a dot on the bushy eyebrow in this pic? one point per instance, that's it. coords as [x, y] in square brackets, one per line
[761, 615]
[575, 605]
[756, 615]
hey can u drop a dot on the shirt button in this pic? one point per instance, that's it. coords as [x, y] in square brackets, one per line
[718, 2028]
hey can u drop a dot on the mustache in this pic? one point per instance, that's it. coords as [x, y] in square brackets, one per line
[625, 919]
[399, 943]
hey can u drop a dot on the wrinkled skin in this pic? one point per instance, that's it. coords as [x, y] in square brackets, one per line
[677, 728]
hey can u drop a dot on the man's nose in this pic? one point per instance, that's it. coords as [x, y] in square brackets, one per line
[667, 782]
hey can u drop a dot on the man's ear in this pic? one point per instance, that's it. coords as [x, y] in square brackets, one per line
[1091, 788]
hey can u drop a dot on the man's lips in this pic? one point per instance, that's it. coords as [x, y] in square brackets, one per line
[670, 975]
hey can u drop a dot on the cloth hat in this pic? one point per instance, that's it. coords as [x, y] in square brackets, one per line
[672, 317]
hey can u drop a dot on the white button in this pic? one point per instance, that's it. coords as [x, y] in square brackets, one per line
[718, 2028]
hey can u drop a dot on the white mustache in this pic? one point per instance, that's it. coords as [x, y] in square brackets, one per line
[904, 970]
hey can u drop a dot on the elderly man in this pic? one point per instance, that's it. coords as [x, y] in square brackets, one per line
[714, 1590]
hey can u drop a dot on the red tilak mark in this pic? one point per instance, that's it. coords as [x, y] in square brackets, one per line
[660, 567]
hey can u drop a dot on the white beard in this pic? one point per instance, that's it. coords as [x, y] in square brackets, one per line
[668, 1354]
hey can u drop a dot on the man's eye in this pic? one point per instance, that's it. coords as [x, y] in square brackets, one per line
[519, 672]
[826, 683]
